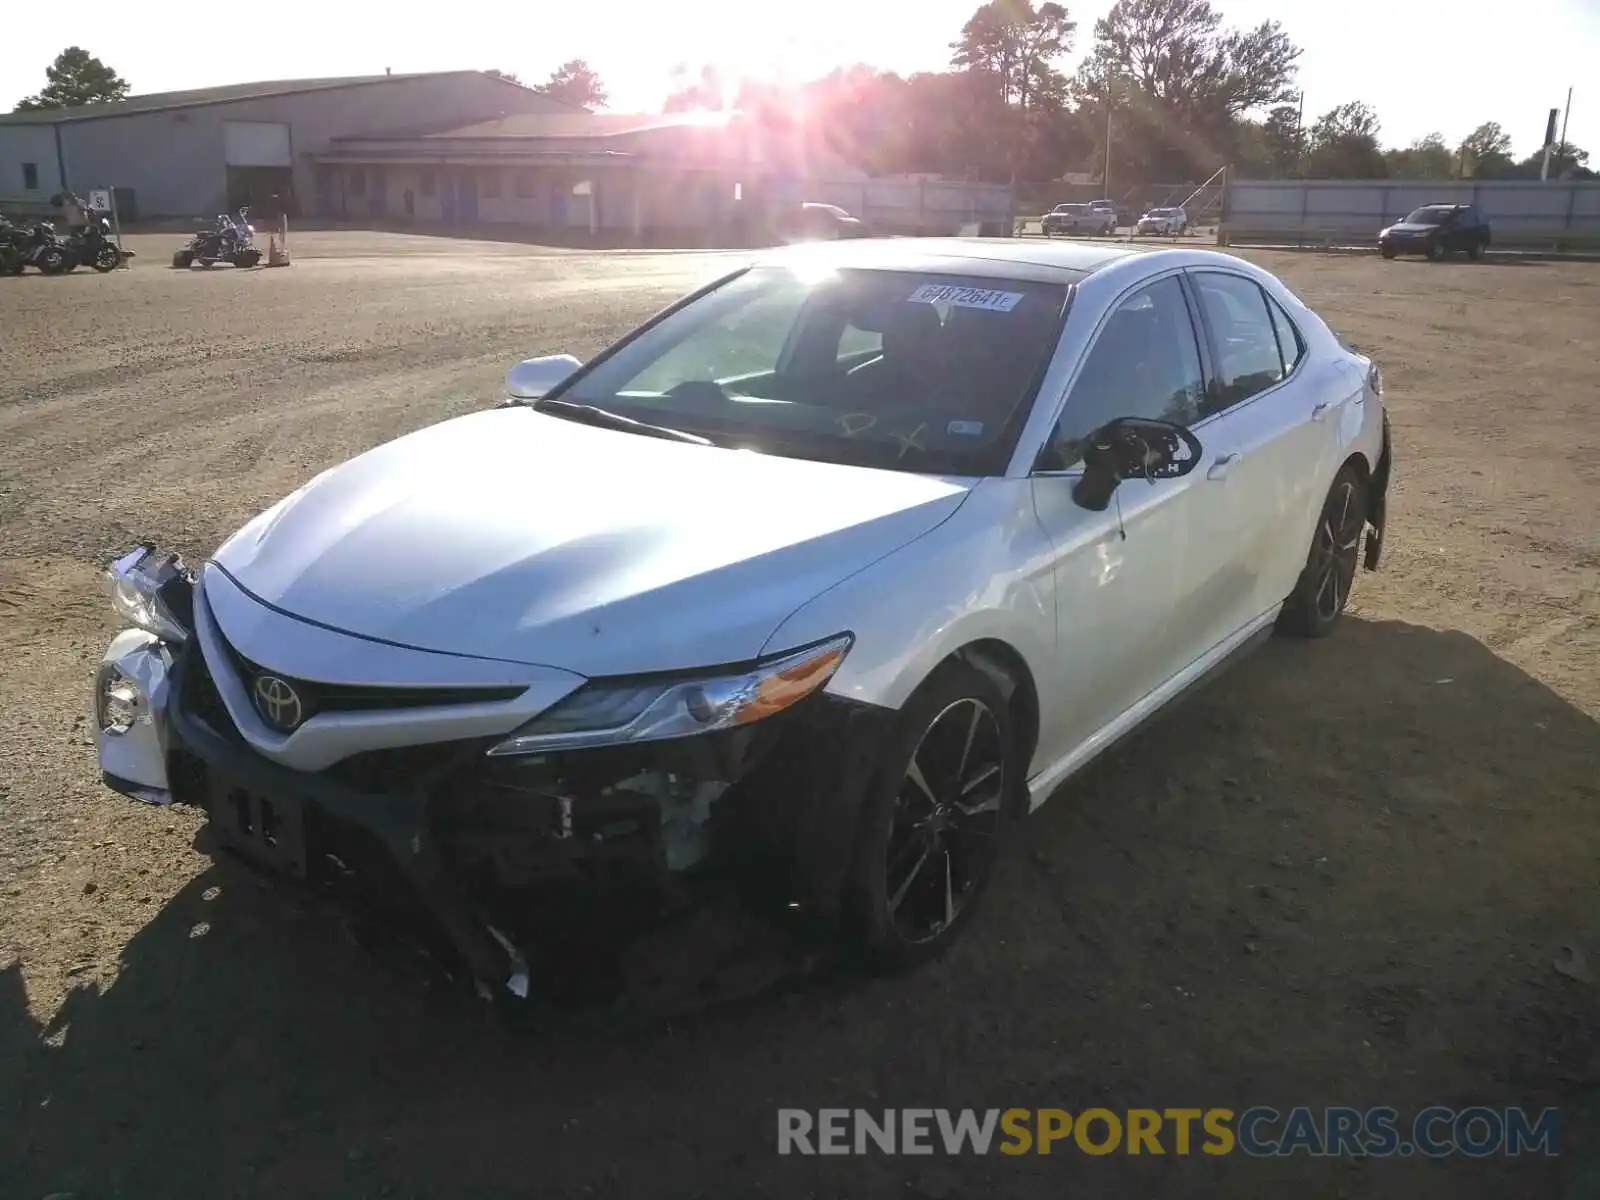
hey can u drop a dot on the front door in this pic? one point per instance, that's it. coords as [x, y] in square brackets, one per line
[378, 188]
[447, 195]
[1133, 582]
[467, 194]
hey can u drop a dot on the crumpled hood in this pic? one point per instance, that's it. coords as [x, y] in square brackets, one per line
[514, 535]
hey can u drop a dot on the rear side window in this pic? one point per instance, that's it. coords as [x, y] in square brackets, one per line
[1291, 346]
[1245, 337]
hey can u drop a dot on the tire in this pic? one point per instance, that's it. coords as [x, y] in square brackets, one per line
[106, 259]
[1318, 601]
[182, 259]
[1436, 251]
[246, 259]
[1476, 252]
[1387, 251]
[54, 261]
[897, 913]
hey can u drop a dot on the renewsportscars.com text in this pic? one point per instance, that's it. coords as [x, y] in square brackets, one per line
[1261, 1132]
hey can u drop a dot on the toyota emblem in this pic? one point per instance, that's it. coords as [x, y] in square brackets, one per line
[278, 703]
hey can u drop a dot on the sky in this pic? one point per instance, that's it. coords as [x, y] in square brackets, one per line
[1425, 66]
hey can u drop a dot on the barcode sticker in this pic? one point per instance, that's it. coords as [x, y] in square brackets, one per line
[965, 297]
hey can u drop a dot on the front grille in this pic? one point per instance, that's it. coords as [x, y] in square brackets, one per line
[383, 771]
[344, 697]
[201, 698]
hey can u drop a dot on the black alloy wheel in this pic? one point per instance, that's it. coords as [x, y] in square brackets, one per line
[1323, 590]
[933, 823]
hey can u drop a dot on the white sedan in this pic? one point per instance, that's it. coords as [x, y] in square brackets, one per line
[827, 573]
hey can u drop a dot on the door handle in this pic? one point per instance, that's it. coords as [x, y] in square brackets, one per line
[1222, 465]
[1320, 410]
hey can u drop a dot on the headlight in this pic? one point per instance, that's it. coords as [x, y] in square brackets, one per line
[614, 712]
[137, 580]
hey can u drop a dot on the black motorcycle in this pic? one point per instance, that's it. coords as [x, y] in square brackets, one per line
[38, 246]
[229, 240]
[12, 238]
[93, 244]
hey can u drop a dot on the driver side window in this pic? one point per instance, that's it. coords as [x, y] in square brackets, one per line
[1145, 362]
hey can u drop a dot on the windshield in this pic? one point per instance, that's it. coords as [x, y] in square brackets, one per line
[906, 370]
[1429, 214]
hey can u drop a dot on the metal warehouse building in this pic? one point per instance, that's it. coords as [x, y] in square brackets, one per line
[461, 147]
[197, 152]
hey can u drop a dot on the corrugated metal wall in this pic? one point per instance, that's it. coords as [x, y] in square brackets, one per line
[1520, 211]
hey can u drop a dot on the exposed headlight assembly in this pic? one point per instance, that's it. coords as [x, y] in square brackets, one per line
[618, 712]
[145, 587]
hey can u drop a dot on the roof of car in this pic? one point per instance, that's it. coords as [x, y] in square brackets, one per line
[1004, 258]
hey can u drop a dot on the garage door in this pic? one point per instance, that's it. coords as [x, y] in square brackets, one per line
[256, 144]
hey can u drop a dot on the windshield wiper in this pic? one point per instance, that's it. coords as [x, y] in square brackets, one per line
[592, 414]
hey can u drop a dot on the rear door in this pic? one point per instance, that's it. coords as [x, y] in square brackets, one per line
[1278, 411]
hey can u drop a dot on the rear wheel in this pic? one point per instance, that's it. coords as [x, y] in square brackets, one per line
[54, 261]
[247, 258]
[183, 259]
[931, 826]
[1323, 589]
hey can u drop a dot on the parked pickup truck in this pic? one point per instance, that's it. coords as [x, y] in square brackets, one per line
[1078, 219]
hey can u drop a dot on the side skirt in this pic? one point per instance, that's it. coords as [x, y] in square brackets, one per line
[1210, 664]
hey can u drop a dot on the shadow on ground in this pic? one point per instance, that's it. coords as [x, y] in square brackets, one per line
[1340, 875]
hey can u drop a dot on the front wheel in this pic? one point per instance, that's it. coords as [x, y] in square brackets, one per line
[247, 258]
[1476, 253]
[1323, 589]
[107, 258]
[1435, 251]
[931, 825]
[1387, 251]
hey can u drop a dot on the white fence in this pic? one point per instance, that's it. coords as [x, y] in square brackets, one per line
[1530, 213]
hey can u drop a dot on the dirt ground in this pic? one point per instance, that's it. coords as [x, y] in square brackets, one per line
[1361, 871]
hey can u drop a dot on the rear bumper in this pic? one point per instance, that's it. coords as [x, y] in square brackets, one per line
[1378, 500]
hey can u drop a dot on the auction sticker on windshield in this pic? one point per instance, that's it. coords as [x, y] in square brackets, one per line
[965, 297]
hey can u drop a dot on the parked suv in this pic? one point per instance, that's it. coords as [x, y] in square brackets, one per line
[1077, 218]
[1164, 221]
[1436, 230]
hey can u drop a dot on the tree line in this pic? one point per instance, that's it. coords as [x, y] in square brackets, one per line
[1166, 93]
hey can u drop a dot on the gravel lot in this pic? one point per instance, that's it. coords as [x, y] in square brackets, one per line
[1361, 871]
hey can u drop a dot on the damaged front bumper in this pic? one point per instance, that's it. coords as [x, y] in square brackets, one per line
[499, 856]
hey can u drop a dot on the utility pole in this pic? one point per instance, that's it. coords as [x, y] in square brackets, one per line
[1105, 178]
[1562, 153]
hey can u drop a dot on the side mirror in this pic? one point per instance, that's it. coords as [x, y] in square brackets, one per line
[535, 377]
[1133, 448]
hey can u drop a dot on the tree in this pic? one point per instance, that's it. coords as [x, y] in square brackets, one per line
[1191, 79]
[706, 92]
[508, 76]
[1486, 152]
[576, 83]
[76, 78]
[1013, 44]
[1426, 158]
[1343, 144]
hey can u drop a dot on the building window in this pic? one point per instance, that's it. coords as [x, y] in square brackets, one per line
[430, 183]
[30, 177]
[524, 185]
[491, 184]
[358, 181]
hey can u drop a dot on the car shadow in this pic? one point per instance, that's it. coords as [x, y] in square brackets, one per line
[1340, 874]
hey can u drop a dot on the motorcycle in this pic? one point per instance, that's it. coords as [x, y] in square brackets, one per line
[38, 246]
[229, 240]
[11, 242]
[93, 245]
